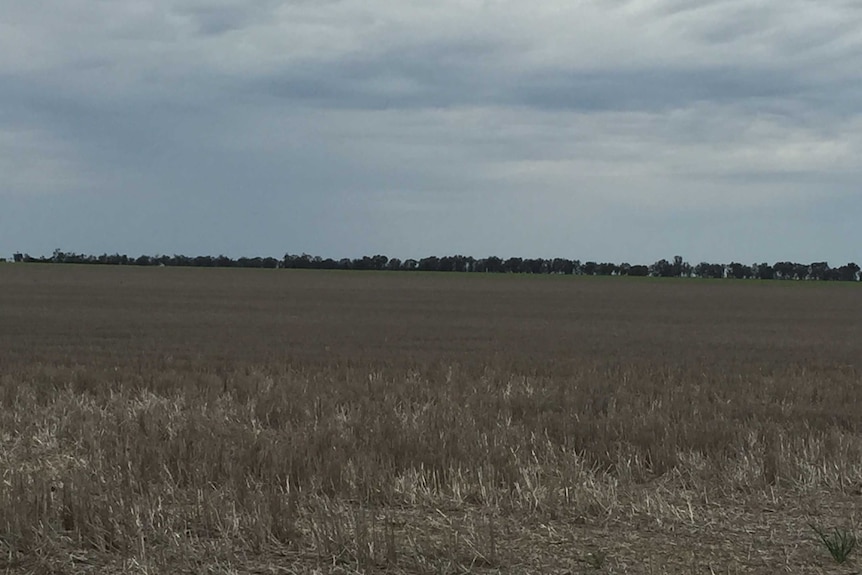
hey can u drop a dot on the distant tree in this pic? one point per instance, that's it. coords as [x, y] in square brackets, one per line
[680, 267]
[662, 269]
[512, 265]
[783, 270]
[299, 262]
[394, 264]
[848, 272]
[738, 271]
[800, 271]
[716, 271]
[379, 262]
[456, 263]
[363, 263]
[534, 266]
[429, 264]
[819, 271]
[491, 264]
[525, 267]
[562, 266]
[833, 275]
[687, 270]
[763, 271]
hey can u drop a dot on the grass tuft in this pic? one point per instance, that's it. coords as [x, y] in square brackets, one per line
[839, 542]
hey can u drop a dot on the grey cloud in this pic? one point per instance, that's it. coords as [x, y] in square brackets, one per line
[482, 72]
[676, 7]
[652, 89]
[730, 31]
[233, 127]
[421, 76]
[218, 20]
[215, 18]
[418, 80]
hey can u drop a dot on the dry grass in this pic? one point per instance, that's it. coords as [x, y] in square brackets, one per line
[273, 421]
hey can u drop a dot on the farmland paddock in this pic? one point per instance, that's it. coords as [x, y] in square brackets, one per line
[281, 421]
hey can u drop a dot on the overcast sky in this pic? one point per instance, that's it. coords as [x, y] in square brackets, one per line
[595, 129]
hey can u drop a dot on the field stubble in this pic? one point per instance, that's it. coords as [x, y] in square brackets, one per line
[273, 421]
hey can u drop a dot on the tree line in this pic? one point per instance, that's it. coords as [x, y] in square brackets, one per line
[675, 267]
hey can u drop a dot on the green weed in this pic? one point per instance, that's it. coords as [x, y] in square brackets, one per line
[840, 542]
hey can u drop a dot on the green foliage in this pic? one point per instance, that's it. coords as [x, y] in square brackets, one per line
[840, 542]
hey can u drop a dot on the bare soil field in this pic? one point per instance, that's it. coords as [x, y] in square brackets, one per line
[181, 420]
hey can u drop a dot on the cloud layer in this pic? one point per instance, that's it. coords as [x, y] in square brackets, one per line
[628, 130]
